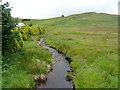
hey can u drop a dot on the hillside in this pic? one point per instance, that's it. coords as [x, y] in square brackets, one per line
[85, 20]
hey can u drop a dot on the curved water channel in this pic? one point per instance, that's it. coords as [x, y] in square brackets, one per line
[56, 77]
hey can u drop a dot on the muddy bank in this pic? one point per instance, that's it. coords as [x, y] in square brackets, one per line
[56, 77]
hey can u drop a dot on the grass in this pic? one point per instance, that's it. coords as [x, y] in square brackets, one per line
[31, 60]
[95, 59]
[91, 41]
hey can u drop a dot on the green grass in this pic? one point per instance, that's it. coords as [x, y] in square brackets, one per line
[32, 59]
[91, 41]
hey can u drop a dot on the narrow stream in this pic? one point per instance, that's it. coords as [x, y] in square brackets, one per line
[56, 77]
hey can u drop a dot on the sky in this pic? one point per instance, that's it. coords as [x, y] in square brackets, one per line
[42, 9]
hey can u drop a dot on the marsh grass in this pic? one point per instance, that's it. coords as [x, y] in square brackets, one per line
[31, 60]
[94, 58]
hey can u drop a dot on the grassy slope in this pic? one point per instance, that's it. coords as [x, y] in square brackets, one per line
[91, 41]
[24, 64]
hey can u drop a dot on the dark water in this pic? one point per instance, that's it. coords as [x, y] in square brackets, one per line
[56, 77]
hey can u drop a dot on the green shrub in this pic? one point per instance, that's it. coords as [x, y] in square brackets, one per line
[35, 30]
[17, 40]
[24, 31]
[28, 31]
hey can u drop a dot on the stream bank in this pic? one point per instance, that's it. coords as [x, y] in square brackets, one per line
[56, 77]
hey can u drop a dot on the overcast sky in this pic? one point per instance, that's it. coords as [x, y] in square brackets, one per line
[41, 9]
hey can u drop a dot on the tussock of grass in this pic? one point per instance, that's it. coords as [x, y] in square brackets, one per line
[17, 79]
[32, 59]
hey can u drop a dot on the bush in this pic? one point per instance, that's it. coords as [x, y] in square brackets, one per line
[35, 30]
[17, 40]
[26, 31]
[13, 42]
[8, 23]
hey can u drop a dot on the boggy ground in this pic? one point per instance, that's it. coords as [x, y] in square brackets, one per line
[91, 41]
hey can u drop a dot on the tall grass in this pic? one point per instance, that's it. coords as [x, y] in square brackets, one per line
[94, 58]
[32, 59]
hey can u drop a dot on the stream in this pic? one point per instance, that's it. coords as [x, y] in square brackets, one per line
[56, 77]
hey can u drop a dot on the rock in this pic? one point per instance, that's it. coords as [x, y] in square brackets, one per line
[40, 78]
[54, 62]
[43, 77]
[69, 75]
[58, 60]
[49, 68]
[68, 78]
[68, 71]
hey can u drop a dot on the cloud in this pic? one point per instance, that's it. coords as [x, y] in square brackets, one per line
[54, 8]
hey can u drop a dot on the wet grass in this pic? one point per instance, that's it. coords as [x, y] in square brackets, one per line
[31, 60]
[91, 41]
[94, 58]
